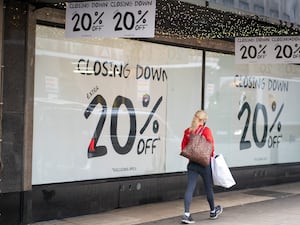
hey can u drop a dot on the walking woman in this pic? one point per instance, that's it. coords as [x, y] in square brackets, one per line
[195, 169]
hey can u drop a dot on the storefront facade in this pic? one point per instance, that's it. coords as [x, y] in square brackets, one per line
[93, 124]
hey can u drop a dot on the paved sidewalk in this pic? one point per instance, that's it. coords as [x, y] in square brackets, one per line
[280, 211]
[272, 205]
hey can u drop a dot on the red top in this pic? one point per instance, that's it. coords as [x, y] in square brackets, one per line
[206, 133]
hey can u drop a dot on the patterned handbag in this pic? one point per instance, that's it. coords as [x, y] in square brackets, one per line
[198, 149]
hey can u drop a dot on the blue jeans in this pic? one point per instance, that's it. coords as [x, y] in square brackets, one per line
[194, 170]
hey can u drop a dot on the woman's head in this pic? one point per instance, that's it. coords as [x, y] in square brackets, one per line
[200, 117]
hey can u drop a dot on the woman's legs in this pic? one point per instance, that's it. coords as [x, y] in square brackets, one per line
[192, 181]
[208, 185]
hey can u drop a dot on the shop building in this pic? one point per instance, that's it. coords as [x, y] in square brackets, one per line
[93, 124]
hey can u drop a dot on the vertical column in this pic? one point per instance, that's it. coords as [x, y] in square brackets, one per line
[13, 184]
[1, 83]
[14, 51]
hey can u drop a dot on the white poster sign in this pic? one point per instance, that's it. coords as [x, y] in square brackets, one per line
[100, 109]
[267, 50]
[123, 18]
[267, 119]
[253, 111]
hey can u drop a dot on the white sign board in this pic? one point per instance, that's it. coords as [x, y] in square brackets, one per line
[100, 108]
[253, 111]
[123, 18]
[267, 50]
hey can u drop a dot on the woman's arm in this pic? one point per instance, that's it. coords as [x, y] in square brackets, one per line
[185, 139]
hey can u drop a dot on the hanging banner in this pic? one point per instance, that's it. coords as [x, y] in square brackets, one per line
[123, 18]
[267, 50]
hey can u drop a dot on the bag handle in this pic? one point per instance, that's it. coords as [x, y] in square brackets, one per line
[200, 130]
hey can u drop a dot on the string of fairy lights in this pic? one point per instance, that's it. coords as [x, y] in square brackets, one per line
[185, 21]
[175, 18]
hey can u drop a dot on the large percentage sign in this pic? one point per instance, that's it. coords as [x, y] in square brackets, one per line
[151, 115]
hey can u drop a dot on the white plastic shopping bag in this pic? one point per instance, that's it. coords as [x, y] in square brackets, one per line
[221, 173]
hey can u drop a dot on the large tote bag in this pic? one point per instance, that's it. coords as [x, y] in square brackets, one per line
[198, 149]
[221, 173]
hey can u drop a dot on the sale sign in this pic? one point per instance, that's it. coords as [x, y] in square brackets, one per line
[267, 50]
[100, 109]
[123, 18]
[262, 119]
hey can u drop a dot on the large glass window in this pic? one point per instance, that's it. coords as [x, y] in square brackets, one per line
[110, 107]
[253, 110]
